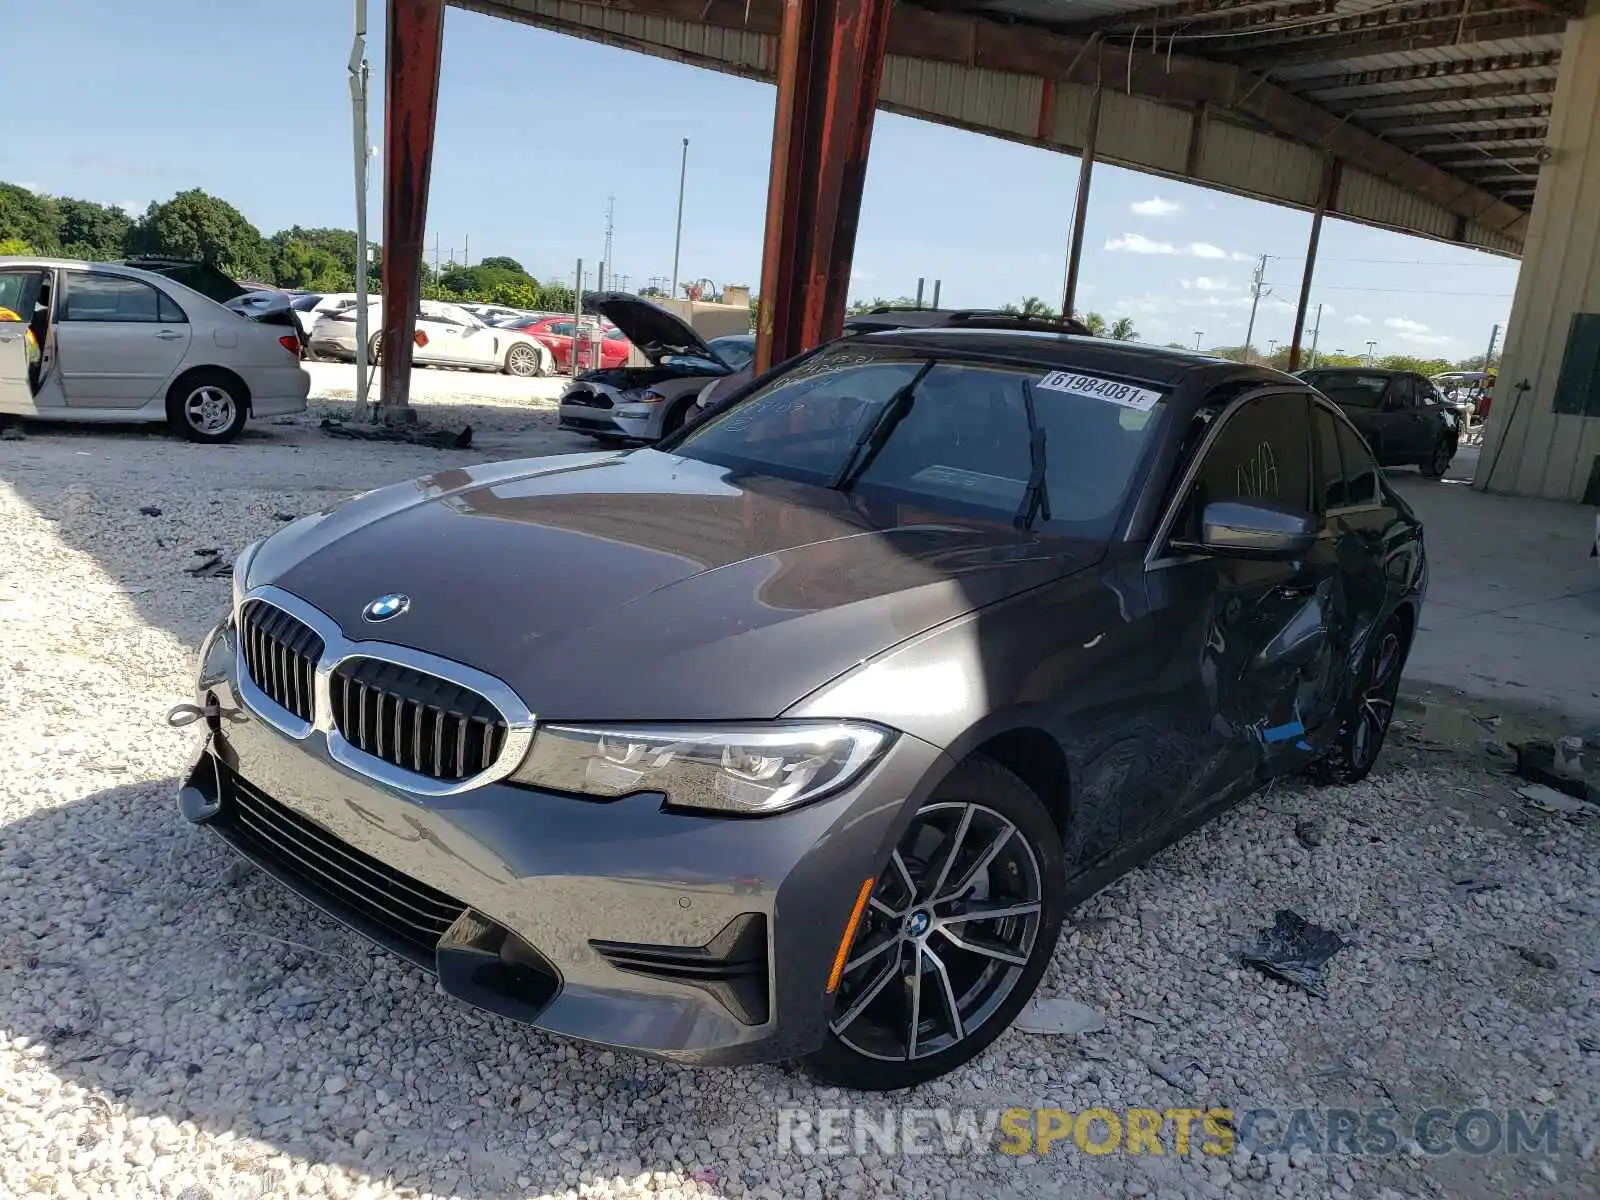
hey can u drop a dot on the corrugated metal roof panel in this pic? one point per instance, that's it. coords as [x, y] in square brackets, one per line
[1372, 199]
[1259, 163]
[970, 96]
[1143, 133]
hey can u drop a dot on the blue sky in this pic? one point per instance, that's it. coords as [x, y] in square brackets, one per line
[248, 99]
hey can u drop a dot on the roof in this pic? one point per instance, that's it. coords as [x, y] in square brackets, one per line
[1159, 366]
[1423, 116]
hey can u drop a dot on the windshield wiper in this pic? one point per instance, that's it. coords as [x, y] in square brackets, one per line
[1036, 499]
[875, 435]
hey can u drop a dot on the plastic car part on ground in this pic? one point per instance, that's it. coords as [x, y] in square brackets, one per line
[440, 439]
[1295, 951]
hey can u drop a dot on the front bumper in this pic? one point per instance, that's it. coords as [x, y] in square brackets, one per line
[595, 409]
[696, 939]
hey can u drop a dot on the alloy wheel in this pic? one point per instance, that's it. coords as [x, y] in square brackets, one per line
[522, 361]
[1442, 454]
[1377, 702]
[209, 410]
[951, 926]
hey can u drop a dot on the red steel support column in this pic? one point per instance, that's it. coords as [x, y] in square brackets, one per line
[1330, 189]
[830, 62]
[1080, 209]
[410, 102]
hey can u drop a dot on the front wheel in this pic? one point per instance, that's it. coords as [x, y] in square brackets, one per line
[207, 407]
[959, 930]
[1439, 460]
[1361, 735]
[522, 361]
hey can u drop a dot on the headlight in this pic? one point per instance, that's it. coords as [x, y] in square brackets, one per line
[241, 570]
[640, 396]
[749, 770]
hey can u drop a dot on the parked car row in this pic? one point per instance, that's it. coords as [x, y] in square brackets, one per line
[82, 341]
[447, 336]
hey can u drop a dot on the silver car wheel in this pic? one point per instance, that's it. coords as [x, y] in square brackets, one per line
[209, 410]
[952, 925]
[522, 362]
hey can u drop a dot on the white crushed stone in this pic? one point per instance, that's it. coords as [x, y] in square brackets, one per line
[173, 1024]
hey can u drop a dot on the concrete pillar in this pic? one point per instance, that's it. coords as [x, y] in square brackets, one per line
[1529, 448]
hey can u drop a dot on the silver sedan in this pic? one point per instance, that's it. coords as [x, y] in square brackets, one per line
[84, 341]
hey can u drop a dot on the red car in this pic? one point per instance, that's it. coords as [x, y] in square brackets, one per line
[556, 334]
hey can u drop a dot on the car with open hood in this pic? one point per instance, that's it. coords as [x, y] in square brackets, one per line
[642, 404]
[797, 735]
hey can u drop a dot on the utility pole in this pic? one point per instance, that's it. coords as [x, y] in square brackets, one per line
[921, 279]
[1256, 292]
[605, 261]
[677, 240]
[1198, 334]
[937, 284]
[436, 254]
[1488, 359]
[1316, 332]
[467, 252]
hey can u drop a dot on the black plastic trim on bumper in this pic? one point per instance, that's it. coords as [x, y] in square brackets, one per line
[732, 966]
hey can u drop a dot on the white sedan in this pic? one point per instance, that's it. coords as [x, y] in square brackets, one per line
[448, 336]
[84, 341]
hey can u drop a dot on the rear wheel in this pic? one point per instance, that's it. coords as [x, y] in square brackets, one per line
[959, 930]
[375, 348]
[1365, 726]
[207, 407]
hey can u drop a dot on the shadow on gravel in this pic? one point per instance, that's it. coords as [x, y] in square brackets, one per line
[140, 958]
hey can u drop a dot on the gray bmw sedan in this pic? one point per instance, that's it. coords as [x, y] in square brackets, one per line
[797, 735]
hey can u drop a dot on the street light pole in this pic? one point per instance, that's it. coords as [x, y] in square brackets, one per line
[360, 74]
[1198, 334]
[677, 240]
[1371, 343]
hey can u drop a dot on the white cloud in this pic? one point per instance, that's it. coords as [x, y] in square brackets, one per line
[1207, 250]
[855, 275]
[1137, 243]
[1155, 207]
[1237, 257]
[30, 187]
[1425, 339]
[132, 207]
[1358, 319]
[1405, 326]
[1204, 283]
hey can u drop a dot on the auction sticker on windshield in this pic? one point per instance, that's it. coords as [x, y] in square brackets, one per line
[1124, 394]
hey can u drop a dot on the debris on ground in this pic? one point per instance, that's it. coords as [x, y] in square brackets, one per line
[211, 565]
[149, 510]
[1466, 885]
[1178, 1075]
[1547, 799]
[1310, 831]
[441, 439]
[10, 433]
[1061, 1016]
[1539, 958]
[1294, 950]
[284, 516]
[1539, 762]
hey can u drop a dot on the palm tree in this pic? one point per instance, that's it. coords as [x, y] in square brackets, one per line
[1095, 323]
[1123, 329]
[1032, 306]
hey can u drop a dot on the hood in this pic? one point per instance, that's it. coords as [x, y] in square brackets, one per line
[646, 586]
[655, 331]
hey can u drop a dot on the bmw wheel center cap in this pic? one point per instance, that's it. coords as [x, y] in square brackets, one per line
[385, 607]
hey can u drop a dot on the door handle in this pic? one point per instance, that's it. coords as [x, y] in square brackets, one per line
[10, 337]
[167, 335]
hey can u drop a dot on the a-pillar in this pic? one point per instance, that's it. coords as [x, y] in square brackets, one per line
[830, 63]
[1543, 436]
[410, 103]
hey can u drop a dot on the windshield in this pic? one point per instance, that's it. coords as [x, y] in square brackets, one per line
[961, 444]
[1352, 389]
[305, 303]
[736, 349]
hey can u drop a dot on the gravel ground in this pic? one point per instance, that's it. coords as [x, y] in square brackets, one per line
[173, 1024]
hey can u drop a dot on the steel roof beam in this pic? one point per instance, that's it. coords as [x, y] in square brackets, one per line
[1392, 37]
[1211, 14]
[1446, 95]
[1457, 116]
[1529, 60]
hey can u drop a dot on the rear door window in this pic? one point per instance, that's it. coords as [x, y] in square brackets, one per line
[110, 298]
[1360, 468]
[1329, 465]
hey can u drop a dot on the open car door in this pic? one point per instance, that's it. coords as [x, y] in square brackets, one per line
[15, 394]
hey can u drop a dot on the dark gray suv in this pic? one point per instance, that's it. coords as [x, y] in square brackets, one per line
[798, 734]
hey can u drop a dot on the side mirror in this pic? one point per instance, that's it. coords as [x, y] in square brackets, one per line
[1257, 531]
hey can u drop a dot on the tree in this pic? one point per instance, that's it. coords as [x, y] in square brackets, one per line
[1031, 306]
[196, 225]
[297, 263]
[502, 263]
[15, 245]
[30, 218]
[1419, 366]
[93, 231]
[1177, 346]
[1095, 323]
[1122, 329]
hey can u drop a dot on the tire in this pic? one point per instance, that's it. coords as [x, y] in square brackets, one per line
[523, 361]
[676, 417]
[1362, 731]
[870, 1045]
[374, 348]
[1438, 461]
[207, 406]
